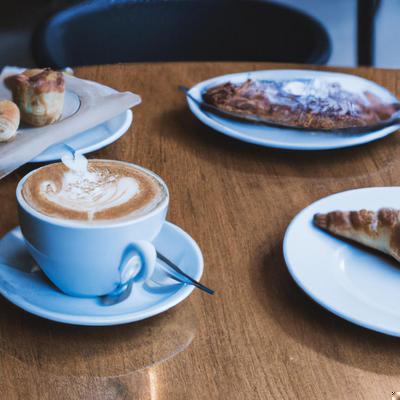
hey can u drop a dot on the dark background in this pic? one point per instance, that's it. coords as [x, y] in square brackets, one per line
[19, 17]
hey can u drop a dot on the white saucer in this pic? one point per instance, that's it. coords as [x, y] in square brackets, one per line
[351, 281]
[23, 284]
[283, 138]
[91, 140]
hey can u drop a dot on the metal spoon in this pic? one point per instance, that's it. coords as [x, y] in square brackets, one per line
[187, 279]
[124, 291]
[392, 121]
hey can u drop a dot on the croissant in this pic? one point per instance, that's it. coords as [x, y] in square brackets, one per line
[9, 120]
[377, 229]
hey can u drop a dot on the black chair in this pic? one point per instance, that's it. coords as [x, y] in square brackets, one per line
[102, 32]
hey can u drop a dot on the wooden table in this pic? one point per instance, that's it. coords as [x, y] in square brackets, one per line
[259, 337]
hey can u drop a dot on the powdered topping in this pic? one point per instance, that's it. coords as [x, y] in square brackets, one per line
[311, 103]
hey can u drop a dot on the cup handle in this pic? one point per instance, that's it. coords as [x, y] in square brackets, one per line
[138, 262]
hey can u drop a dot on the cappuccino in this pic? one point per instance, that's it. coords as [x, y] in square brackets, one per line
[95, 191]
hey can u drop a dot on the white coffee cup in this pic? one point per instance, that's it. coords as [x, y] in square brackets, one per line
[92, 259]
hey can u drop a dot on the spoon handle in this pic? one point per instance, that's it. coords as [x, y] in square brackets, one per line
[179, 271]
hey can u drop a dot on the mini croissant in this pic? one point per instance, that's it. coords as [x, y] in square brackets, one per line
[9, 120]
[379, 230]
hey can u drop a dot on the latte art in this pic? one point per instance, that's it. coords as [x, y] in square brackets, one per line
[102, 190]
[92, 193]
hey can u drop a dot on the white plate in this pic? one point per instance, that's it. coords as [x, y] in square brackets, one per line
[353, 282]
[92, 139]
[22, 283]
[283, 138]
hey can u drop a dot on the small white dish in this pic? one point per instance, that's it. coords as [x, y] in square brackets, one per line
[85, 142]
[353, 282]
[24, 285]
[91, 140]
[284, 138]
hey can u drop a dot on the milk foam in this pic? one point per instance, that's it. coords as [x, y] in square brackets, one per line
[91, 191]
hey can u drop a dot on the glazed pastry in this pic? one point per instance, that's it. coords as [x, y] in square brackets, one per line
[9, 120]
[379, 230]
[39, 94]
[315, 105]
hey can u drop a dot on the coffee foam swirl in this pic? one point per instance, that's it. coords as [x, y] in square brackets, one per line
[105, 190]
[91, 193]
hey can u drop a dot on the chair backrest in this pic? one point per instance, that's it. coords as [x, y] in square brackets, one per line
[110, 31]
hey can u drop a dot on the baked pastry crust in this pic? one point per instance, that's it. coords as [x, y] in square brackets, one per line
[379, 230]
[39, 94]
[9, 120]
[332, 108]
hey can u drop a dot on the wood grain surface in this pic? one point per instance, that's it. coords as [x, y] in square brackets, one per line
[259, 337]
